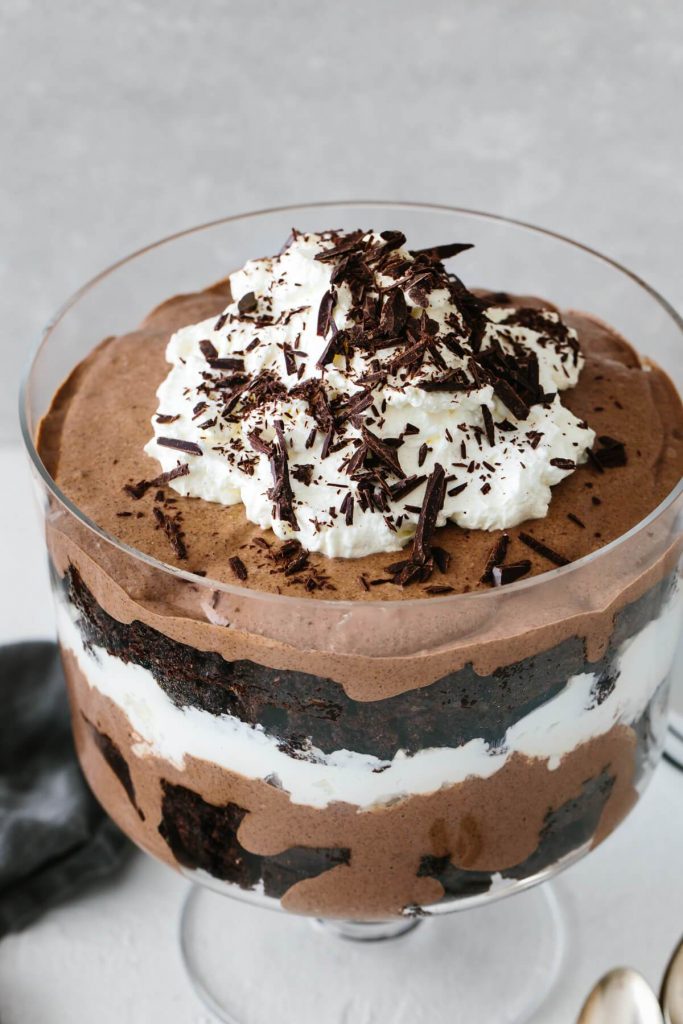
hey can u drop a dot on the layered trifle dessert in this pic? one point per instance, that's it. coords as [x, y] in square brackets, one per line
[316, 662]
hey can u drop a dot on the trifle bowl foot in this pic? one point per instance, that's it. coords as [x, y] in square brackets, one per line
[494, 962]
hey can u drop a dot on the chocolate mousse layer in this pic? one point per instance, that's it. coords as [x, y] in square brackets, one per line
[340, 862]
[106, 473]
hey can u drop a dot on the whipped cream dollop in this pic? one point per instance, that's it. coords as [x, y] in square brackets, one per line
[355, 395]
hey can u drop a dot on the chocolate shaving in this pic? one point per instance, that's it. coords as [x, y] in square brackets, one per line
[346, 508]
[327, 442]
[382, 451]
[432, 504]
[454, 380]
[405, 487]
[436, 589]
[258, 444]
[281, 492]
[247, 304]
[327, 304]
[350, 243]
[290, 361]
[166, 418]
[394, 313]
[488, 425]
[495, 558]
[442, 558]
[443, 252]
[511, 399]
[542, 549]
[208, 350]
[355, 406]
[594, 461]
[303, 472]
[297, 563]
[563, 463]
[227, 363]
[612, 453]
[182, 446]
[172, 529]
[139, 489]
[503, 574]
[238, 567]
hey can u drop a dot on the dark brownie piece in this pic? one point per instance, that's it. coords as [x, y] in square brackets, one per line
[565, 829]
[202, 835]
[116, 761]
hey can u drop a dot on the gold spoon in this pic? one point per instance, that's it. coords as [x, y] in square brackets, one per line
[672, 988]
[622, 996]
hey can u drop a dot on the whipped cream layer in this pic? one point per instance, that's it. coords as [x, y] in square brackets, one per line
[548, 733]
[355, 392]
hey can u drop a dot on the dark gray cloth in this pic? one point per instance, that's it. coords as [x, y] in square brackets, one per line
[54, 836]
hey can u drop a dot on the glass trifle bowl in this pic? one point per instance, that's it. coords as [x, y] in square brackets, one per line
[368, 763]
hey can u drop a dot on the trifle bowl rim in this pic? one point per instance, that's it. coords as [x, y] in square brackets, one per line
[28, 429]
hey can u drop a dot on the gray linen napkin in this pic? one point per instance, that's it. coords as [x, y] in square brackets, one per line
[54, 836]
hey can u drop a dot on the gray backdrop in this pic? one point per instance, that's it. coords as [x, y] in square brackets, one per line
[127, 119]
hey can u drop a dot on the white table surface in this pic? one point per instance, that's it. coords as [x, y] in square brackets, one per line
[112, 954]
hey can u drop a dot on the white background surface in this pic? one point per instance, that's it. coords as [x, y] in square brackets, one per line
[125, 121]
